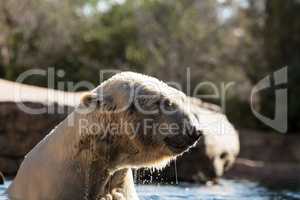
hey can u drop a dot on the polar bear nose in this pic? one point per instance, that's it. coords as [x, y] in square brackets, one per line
[194, 134]
[181, 142]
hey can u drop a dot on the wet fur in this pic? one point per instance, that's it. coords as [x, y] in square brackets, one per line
[96, 165]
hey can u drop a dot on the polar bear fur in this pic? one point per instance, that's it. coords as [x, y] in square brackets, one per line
[78, 160]
[212, 156]
[219, 146]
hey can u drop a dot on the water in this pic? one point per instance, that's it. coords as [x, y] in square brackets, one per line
[2, 189]
[227, 190]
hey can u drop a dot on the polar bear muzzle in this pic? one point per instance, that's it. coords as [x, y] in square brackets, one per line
[184, 140]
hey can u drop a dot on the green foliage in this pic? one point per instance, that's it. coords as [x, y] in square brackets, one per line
[110, 39]
[157, 37]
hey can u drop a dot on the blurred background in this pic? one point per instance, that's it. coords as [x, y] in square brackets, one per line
[239, 41]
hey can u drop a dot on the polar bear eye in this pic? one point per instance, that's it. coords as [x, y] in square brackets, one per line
[168, 105]
[223, 155]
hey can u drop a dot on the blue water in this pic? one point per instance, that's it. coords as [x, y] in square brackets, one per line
[227, 190]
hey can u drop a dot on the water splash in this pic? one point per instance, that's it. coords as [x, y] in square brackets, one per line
[176, 175]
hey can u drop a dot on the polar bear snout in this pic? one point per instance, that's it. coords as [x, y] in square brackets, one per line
[194, 135]
[184, 140]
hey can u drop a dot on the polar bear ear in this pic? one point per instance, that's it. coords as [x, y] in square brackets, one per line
[87, 98]
[92, 100]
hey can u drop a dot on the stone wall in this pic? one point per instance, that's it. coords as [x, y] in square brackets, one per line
[20, 131]
[269, 158]
[270, 147]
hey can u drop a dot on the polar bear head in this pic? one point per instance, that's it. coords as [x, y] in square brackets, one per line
[217, 151]
[143, 121]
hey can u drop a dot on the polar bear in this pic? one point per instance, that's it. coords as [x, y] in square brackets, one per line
[217, 150]
[129, 121]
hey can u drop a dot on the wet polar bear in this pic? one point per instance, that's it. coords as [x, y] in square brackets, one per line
[143, 122]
